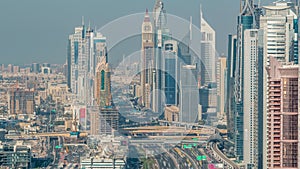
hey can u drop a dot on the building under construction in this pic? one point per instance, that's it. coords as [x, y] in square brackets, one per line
[103, 121]
[20, 101]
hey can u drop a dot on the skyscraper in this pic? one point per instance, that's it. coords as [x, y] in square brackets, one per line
[246, 21]
[87, 71]
[184, 51]
[85, 49]
[244, 106]
[221, 85]
[170, 70]
[20, 101]
[208, 53]
[231, 59]
[189, 96]
[108, 115]
[250, 97]
[103, 95]
[97, 50]
[77, 60]
[282, 115]
[279, 25]
[147, 60]
[161, 33]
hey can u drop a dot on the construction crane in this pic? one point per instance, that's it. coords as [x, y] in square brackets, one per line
[75, 123]
[67, 149]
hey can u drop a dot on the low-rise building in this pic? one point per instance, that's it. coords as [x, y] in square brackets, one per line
[59, 92]
[172, 113]
[15, 155]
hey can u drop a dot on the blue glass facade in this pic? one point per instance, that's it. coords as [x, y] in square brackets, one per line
[76, 53]
[102, 80]
[296, 47]
[246, 22]
[170, 82]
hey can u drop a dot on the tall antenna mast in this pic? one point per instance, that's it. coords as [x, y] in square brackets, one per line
[201, 12]
[241, 5]
[191, 24]
[82, 20]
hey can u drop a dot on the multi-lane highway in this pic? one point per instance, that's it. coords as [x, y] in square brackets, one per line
[184, 161]
[162, 157]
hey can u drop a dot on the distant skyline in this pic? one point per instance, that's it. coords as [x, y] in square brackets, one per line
[37, 31]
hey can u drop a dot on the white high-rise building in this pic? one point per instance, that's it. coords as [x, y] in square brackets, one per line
[208, 53]
[250, 96]
[280, 33]
[77, 58]
[278, 26]
[221, 86]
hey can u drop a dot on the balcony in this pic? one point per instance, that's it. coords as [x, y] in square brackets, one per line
[277, 122]
[276, 135]
[274, 90]
[272, 94]
[276, 138]
[274, 107]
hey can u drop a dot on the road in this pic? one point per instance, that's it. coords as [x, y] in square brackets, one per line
[221, 155]
[182, 160]
[193, 160]
[161, 156]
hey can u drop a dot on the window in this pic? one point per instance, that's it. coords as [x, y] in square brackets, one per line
[102, 80]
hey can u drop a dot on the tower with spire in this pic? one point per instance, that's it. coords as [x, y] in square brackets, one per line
[208, 53]
[159, 15]
[147, 59]
[76, 59]
[161, 34]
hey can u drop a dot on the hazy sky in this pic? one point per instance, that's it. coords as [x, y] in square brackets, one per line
[37, 30]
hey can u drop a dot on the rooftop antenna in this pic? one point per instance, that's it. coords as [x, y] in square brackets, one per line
[191, 22]
[201, 16]
[82, 20]
[201, 12]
